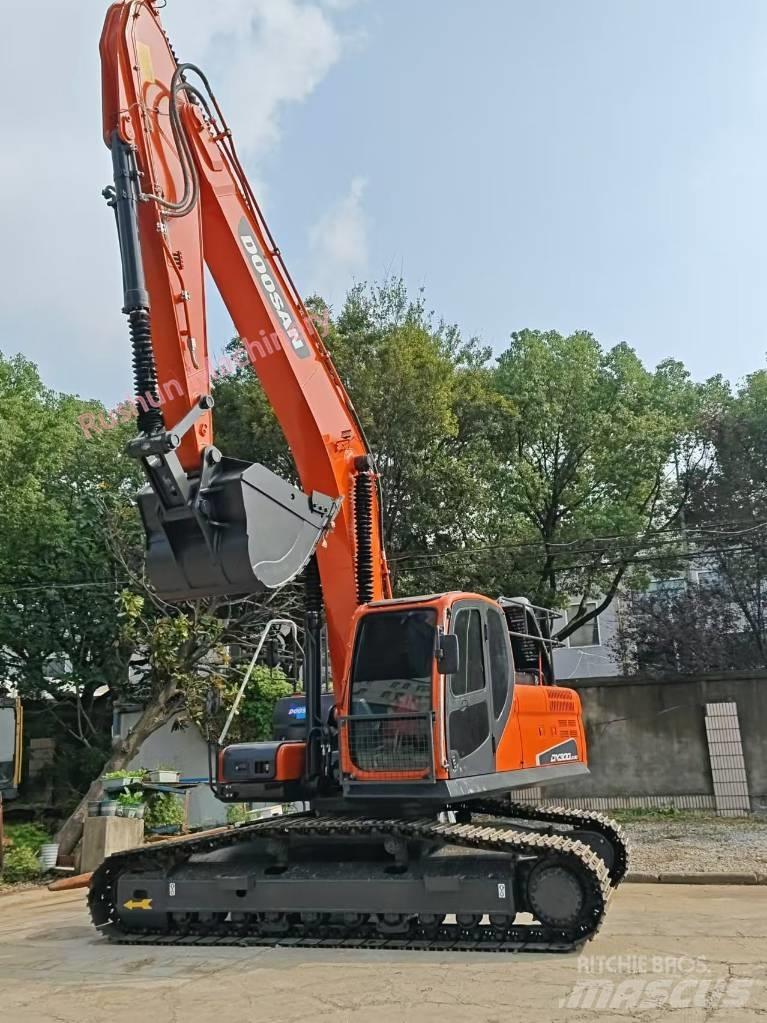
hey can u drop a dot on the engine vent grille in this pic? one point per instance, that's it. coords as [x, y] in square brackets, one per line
[561, 703]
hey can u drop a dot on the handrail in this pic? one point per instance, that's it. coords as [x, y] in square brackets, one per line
[249, 672]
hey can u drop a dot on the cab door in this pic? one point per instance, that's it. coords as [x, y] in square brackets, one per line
[467, 696]
[500, 659]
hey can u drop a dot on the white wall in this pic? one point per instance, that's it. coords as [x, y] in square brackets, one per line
[186, 751]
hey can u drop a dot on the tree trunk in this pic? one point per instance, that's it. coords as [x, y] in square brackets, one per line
[154, 716]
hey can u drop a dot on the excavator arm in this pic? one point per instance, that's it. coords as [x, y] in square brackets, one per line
[182, 201]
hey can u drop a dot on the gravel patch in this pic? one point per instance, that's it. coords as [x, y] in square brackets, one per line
[710, 845]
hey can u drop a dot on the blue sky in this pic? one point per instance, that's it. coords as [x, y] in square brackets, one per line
[569, 164]
[564, 165]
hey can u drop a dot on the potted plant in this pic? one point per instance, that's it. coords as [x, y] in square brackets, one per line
[116, 781]
[129, 804]
[164, 774]
[108, 808]
[164, 814]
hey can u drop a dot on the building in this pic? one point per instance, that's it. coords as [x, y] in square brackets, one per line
[588, 652]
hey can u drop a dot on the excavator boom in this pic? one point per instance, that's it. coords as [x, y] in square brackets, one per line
[182, 202]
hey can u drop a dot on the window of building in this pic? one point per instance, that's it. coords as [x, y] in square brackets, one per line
[666, 585]
[588, 633]
[709, 580]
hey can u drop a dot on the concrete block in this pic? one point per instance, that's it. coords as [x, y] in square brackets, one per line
[103, 836]
[42, 744]
[694, 878]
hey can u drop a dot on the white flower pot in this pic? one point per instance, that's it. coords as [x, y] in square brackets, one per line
[49, 854]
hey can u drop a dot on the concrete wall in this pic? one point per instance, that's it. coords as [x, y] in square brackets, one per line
[648, 737]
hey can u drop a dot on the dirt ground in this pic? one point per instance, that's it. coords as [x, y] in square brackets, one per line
[665, 952]
[698, 844]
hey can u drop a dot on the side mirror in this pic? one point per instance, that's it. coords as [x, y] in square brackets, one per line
[448, 657]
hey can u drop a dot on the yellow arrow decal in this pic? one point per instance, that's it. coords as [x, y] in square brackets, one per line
[138, 904]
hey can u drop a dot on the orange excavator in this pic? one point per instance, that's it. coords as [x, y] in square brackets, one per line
[442, 704]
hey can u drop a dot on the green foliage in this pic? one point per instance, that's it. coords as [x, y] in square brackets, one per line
[554, 471]
[63, 500]
[131, 798]
[589, 449]
[426, 399]
[253, 721]
[734, 492]
[433, 442]
[20, 864]
[136, 772]
[27, 836]
[267, 685]
[237, 813]
[21, 857]
[163, 808]
[174, 644]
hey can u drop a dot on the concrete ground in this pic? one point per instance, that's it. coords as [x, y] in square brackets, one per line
[665, 952]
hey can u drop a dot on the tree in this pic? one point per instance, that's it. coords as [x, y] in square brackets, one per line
[596, 452]
[426, 400]
[729, 504]
[181, 654]
[76, 611]
[690, 630]
[58, 619]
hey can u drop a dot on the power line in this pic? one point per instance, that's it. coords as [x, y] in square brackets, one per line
[661, 538]
[31, 587]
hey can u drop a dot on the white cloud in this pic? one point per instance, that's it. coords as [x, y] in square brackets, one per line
[339, 244]
[61, 294]
[338, 5]
[267, 53]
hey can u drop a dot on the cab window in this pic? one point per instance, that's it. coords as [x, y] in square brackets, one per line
[393, 661]
[470, 677]
[499, 659]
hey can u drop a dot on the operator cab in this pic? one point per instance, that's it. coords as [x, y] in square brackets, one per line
[430, 690]
[436, 710]
[433, 710]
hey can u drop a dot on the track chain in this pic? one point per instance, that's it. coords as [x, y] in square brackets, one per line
[493, 937]
[587, 819]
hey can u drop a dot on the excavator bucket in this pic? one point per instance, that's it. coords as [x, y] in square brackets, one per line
[239, 529]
